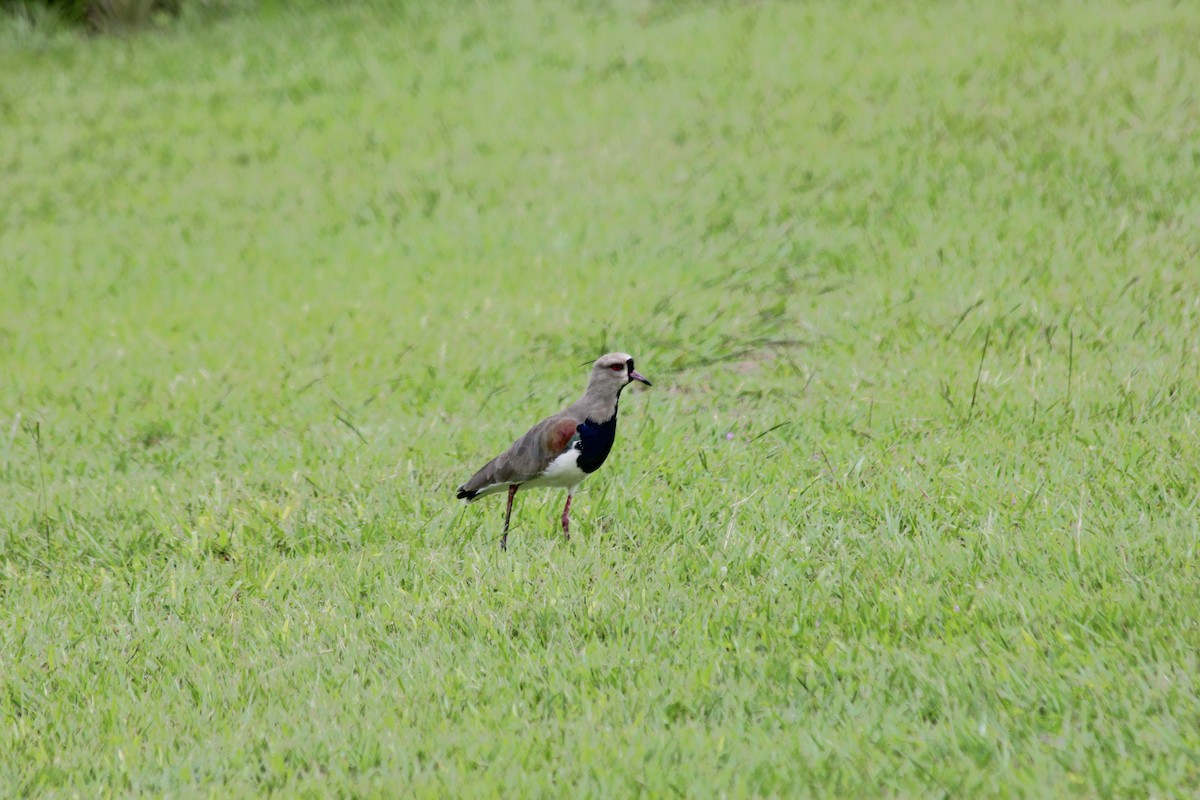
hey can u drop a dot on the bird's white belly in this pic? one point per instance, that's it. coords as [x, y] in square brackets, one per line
[563, 472]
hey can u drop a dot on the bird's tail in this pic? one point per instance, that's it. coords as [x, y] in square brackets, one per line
[481, 484]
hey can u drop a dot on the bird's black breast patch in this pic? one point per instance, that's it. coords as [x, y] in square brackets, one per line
[595, 441]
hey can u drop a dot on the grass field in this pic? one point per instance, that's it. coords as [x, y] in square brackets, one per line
[912, 508]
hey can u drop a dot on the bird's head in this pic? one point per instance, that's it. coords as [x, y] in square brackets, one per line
[613, 372]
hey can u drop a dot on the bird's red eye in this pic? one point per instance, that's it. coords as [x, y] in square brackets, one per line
[617, 367]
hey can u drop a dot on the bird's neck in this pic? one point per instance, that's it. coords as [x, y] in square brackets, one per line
[597, 407]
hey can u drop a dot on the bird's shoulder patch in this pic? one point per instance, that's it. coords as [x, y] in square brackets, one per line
[560, 434]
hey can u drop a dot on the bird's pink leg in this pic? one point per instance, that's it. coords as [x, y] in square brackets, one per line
[512, 492]
[566, 518]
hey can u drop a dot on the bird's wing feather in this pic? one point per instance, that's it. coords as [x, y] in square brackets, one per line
[528, 456]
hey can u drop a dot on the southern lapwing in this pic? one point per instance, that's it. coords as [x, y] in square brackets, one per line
[562, 450]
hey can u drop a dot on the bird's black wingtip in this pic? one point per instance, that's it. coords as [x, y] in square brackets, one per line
[463, 494]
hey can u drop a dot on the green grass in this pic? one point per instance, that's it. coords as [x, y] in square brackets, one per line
[912, 508]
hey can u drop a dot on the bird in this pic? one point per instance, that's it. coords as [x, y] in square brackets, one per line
[561, 450]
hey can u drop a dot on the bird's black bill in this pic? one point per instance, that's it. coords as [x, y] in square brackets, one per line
[634, 375]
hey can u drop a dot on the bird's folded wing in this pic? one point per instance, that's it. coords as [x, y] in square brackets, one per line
[529, 456]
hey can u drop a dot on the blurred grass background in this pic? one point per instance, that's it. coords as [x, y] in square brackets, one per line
[910, 510]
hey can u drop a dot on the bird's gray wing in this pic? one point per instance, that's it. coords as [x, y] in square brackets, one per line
[527, 458]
